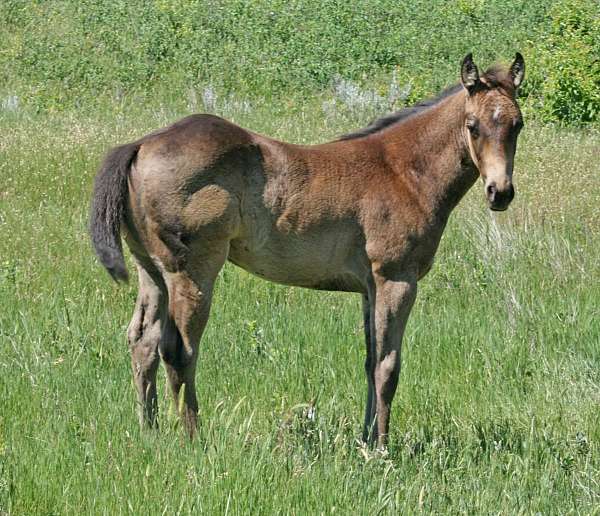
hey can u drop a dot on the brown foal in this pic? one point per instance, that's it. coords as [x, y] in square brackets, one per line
[361, 214]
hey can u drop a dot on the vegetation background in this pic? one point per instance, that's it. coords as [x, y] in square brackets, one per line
[63, 54]
[498, 403]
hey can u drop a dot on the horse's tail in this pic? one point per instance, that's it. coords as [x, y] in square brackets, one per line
[108, 208]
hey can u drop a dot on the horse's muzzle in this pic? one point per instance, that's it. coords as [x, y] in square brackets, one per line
[499, 199]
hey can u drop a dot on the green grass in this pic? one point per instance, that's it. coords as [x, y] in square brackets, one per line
[497, 407]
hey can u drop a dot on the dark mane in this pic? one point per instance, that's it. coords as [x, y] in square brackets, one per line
[494, 77]
[402, 114]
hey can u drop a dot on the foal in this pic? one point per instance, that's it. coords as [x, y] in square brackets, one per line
[361, 214]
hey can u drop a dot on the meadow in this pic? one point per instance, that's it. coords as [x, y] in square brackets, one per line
[497, 409]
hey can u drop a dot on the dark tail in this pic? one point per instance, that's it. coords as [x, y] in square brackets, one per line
[108, 208]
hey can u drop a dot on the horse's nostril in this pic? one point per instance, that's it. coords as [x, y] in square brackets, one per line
[491, 191]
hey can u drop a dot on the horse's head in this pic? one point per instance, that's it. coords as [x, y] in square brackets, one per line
[492, 123]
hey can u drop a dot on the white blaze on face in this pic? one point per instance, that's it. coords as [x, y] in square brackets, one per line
[495, 165]
[496, 114]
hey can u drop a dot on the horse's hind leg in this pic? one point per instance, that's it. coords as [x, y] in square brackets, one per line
[190, 294]
[144, 335]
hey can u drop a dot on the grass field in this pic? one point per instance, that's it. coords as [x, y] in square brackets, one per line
[498, 403]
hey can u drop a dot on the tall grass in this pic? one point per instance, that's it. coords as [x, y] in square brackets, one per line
[497, 408]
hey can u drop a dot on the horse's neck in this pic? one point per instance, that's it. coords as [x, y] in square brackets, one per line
[436, 160]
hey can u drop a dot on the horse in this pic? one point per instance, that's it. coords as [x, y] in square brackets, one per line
[364, 213]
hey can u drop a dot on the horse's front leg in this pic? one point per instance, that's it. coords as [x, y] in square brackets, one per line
[391, 302]
[368, 428]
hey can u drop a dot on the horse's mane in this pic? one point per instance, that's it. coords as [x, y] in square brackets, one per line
[494, 77]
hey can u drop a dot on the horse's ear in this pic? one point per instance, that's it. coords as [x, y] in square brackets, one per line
[469, 75]
[517, 70]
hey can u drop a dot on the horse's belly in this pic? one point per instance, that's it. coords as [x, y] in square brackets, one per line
[299, 263]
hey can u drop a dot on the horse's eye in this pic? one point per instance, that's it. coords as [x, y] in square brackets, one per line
[518, 126]
[473, 127]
